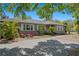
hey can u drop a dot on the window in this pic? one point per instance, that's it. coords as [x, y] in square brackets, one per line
[27, 27]
[61, 28]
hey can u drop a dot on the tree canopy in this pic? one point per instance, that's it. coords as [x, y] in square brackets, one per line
[46, 11]
[18, 9]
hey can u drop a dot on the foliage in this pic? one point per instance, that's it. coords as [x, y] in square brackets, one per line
[9, 30]
[46, 11]
[51, 30]
[67, 27]
[76, 22]
[73, 9]
[76, 27]
[58, 21]
[20, 9]
[2, 13]
[41, 29]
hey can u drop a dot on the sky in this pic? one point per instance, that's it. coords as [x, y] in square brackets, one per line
[55, 16]
[61, 16]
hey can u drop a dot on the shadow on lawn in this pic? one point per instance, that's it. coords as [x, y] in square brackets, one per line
[51, 47]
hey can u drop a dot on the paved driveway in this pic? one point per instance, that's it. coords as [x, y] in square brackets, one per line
[30, 43]
[38, 46]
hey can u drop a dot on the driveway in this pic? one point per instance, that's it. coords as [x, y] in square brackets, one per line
[54, 45]
[31, 42]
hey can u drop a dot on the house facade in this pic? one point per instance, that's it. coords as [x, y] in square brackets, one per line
[27, 26]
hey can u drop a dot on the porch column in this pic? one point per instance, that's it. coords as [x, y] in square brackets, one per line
[33, 27]
[57, 27]
[21, 27]
[62, 28]
[37, 27]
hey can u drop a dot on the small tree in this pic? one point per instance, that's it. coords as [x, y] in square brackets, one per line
[52, 30]
[77, 26]
[67, 27]
[41, 29]
[9, 30]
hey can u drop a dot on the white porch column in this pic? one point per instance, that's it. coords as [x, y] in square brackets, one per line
[33, 27]
[37, 27]
[21, 27]
[57, 28]
[62, 28]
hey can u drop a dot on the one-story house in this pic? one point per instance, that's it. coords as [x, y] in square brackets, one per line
[27, 26]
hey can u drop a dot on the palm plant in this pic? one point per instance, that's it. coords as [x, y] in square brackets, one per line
[9, 30]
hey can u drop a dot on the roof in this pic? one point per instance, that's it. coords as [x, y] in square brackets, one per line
[36, 22]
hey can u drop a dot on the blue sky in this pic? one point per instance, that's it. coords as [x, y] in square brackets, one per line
[61, 16]
[56, 15]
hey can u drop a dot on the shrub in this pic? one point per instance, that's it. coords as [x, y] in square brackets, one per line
[52, 30]
[9, 30]
[76, 27]
[41, 30]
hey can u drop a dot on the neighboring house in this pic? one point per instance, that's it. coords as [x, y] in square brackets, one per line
[27, 26]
